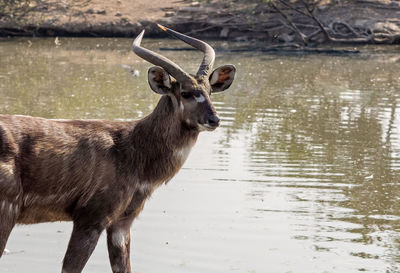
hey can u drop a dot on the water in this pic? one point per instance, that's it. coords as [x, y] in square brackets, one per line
[302, 176]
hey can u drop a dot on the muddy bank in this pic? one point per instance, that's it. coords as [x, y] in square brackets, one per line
[88, 18]
[292, 23]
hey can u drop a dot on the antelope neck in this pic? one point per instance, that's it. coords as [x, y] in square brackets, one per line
[165, 125]
[155, 141]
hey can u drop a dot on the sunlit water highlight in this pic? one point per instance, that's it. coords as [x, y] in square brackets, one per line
[302, 176]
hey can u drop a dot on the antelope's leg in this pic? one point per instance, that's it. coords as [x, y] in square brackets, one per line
[118, 235]
[81, 245]
[10, 196]
[8, 217]
[118, 242]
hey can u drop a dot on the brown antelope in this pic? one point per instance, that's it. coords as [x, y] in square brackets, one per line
[98, 173]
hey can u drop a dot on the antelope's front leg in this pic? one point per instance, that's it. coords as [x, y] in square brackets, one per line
[118, 235]
[118, 242]
[81, 245]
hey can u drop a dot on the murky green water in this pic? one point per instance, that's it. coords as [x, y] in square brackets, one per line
[303, 175]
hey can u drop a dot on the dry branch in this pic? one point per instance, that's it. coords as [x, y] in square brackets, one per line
[308, 22]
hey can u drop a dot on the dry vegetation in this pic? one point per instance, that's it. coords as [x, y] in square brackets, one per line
[297, 22]
[293, 23]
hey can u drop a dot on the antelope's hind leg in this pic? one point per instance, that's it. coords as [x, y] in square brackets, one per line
[10, 193]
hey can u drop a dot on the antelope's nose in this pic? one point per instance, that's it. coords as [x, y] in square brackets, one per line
[213, 121]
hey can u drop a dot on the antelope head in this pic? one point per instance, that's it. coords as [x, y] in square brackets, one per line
[189, 93]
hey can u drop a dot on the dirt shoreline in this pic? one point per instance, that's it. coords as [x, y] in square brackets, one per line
[357, 21]
[122, 18]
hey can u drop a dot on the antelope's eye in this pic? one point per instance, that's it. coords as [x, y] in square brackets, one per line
[186, 95]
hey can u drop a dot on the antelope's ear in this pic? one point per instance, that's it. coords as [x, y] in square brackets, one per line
[159, 80]
[222, 77]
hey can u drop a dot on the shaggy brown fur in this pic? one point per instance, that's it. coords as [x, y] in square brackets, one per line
[98, 173]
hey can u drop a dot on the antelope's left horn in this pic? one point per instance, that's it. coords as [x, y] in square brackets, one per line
[209, 53]
[159, 60]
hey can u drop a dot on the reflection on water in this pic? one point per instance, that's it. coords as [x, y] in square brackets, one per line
[303, 175]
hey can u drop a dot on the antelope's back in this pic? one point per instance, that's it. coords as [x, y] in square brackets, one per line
[55, 163]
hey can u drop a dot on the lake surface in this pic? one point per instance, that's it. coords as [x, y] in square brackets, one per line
[302, 176]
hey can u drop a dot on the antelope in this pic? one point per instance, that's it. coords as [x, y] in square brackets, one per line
[98, 174]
